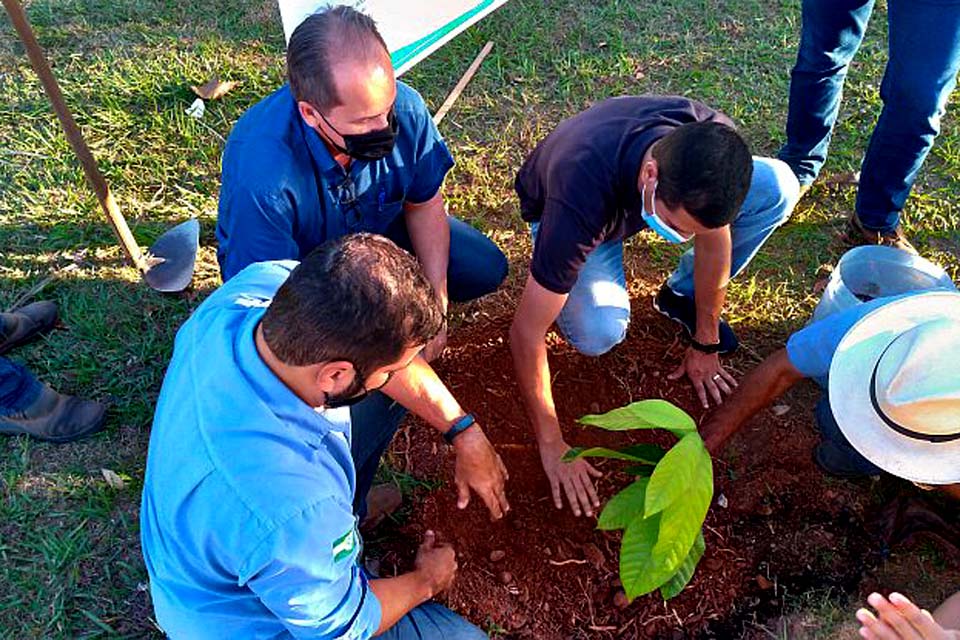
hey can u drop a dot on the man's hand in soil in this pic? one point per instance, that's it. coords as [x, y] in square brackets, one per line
[899, 619]
[708, 377]
[436, 564]
[480, 468]
[573, 477]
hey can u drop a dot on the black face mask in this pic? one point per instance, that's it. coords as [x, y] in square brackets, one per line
[370, 146]
[353, 394]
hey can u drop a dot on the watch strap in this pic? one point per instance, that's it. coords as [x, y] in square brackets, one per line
[458, 427]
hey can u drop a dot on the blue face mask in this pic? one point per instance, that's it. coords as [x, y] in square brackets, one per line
[655, 222]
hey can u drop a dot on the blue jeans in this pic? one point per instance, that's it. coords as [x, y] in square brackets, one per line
[374, 421]
[432, 621]
[924, 57]
[476, 267]
[18, 387]
[597, 312]
[830, 430]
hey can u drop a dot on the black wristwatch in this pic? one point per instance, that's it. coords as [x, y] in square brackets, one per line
[705, 348]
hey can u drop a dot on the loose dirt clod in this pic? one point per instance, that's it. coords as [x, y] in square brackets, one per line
[497, 555]
[506, 577]
[593, 555]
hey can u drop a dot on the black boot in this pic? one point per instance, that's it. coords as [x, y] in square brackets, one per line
[55, 417]
[25, 324]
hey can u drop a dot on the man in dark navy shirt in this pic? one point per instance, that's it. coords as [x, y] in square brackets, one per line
[661, 162]
[345, 148]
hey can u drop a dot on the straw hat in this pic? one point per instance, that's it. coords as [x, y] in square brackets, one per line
[895, 387]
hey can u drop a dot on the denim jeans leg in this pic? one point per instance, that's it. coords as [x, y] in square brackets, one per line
[831, 33]
[924, 43]
[597, 312]
[773, 193]
[373, 422]
[830, 430]
[18, 387]
[432, 621]
[476, 267]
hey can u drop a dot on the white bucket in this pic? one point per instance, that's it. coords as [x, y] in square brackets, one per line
[869, 272]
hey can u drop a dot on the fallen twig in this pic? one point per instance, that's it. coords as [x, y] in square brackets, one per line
[560, 563]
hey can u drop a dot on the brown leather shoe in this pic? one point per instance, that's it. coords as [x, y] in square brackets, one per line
[382, 500]
[25, 324]
[856, 235]
[55, 417]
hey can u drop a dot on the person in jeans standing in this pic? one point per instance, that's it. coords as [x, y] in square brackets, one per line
[924, 57]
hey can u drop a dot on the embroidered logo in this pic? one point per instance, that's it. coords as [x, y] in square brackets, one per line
[344, 545]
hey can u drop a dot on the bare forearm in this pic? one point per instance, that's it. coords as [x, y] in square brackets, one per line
[758, 388]
[711, 273]
[430, 236]
[398, 596]
[420, 390]
[533, 375]
[948, 613]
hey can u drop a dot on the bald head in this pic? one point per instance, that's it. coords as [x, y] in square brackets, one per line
[327, 50]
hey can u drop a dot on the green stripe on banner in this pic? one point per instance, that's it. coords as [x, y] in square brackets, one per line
[407, 53]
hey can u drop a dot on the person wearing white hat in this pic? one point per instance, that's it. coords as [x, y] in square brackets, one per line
[890, 369]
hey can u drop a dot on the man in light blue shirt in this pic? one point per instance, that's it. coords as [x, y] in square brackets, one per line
[248, 524]
[888, 369]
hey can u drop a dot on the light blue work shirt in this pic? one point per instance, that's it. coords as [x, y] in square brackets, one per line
[283, 194]
[811, 349]
[247, 526]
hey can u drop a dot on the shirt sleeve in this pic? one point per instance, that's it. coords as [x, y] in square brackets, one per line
[254, 222]
[307, 573]
[432, 159]
[811, 349]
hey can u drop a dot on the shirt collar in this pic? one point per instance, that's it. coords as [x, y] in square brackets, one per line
[304, 421]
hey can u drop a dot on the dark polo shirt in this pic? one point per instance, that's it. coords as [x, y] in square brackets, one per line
[580, 183]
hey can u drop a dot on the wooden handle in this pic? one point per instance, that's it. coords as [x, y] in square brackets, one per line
[74, 137]
[457, 90]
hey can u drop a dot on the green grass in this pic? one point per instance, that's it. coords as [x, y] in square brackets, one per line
[69, 552]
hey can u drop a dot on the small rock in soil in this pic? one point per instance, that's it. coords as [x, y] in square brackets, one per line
[763, 583]
[506, 577]
[594, 407]
[497, 555]
[780, 409]
[620, 600]
[593, 555]
[722, 501]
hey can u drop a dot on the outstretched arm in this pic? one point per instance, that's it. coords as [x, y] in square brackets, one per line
[538, 308]
[758, 388]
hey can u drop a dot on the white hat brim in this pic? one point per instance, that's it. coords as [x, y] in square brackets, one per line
[851, 372]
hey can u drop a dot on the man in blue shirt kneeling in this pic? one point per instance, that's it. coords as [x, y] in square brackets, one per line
[345, 148]
[249, 521]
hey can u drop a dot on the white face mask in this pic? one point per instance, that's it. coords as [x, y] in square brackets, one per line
[655, 222]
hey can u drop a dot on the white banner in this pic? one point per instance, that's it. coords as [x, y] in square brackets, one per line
[412, 29]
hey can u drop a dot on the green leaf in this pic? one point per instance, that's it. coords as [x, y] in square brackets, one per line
[622, 508]
[645, 414]
[675, 473]
[681, 578]
[643, 471]
[682, 521]
[638, 572]
[649, 453]
[603, 452]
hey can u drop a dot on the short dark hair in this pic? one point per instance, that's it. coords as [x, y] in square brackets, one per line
[706, 168]
[358, 298]
[316, 44]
